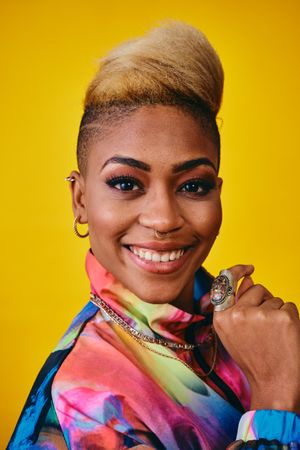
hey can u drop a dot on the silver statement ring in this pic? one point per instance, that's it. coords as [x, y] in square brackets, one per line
[222, 291]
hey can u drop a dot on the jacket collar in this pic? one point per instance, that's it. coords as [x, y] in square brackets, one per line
[163, 319]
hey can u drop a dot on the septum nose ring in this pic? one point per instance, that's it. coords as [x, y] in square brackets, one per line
[160, 235]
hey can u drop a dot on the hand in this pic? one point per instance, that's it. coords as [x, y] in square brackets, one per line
[262, 334]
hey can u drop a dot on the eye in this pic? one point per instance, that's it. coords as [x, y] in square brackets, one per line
[124, 183]
[197, 187]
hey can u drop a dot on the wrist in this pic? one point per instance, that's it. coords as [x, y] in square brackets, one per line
[277, 394]
[282, 403]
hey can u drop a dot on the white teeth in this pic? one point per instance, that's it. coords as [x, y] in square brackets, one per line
[156, 257]
[173, 256]
[178, 254]
[148, 256]
[151, 255]
[165, 257]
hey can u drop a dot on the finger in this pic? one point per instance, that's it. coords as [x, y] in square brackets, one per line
[254, 296]
[272, 303]
[244, 286]
[241, 270]
[291, 308]
[232, 274]
[236, 445]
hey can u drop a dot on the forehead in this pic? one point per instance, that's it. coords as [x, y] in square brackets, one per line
[158, 135]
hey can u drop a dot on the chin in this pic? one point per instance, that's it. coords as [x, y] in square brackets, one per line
[159, 295]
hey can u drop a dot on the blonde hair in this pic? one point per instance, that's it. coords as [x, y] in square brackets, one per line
[173, 64]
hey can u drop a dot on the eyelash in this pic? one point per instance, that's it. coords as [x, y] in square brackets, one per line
[206, 185]
[114, 181]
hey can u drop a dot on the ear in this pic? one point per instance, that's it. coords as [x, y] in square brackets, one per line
[78, 196]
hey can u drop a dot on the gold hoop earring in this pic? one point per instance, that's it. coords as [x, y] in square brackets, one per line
[76, 221]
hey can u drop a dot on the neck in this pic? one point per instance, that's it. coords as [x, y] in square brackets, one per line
[185, 301]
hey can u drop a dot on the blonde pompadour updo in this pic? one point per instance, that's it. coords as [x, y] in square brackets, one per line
[173, 64]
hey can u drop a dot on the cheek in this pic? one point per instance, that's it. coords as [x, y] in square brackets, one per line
[208, 218]
[106, 226]
[106, 218]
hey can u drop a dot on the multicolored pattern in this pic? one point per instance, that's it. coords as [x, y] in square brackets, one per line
[267, 424]
[102, 389]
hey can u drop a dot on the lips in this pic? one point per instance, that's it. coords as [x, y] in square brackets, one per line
[163, 258]
[152, 255]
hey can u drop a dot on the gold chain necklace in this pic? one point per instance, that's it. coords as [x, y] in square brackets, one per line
[142, 338]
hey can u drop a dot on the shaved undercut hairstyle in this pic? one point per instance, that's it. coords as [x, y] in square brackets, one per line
[173, 64]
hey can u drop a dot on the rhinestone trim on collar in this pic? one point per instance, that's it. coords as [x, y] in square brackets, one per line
[140, 338]
[137, 334]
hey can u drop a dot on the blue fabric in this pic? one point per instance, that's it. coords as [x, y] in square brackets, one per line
[202, 283]
[39, 401]
[281, 425]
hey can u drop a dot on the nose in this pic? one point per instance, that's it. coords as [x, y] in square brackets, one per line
[161, 212]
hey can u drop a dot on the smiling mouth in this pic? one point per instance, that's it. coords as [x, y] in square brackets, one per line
[147, 254]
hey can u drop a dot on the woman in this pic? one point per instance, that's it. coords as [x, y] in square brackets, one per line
[148, 363]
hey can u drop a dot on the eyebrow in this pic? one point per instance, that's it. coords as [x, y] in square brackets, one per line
[176, 168]
[187, 165]
[128, 162]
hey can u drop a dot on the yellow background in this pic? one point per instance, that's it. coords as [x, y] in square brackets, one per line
[48, 55]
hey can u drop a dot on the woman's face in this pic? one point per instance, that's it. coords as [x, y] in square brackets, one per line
[154, 171]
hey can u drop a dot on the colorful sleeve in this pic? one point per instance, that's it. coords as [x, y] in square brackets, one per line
[268, 429]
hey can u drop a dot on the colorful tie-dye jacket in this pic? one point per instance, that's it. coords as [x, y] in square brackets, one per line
[100, 389]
